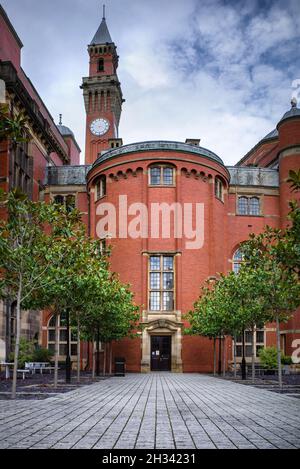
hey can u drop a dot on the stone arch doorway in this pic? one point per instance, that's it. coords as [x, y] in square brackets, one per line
[162, 336]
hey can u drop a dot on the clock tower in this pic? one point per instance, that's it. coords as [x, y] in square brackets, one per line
[102, 95]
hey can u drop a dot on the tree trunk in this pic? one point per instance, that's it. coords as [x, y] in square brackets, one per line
[78, 351]
[278, 352]
[56, 353]
[234, 355]
[110, 358]
[104, 360]
[215, 357]
[224, 357]
[253, 356]
[93, 357]
[244, 373]
[17, 342]
[220, 356]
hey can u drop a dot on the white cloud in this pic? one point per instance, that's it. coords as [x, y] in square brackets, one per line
[220, 71]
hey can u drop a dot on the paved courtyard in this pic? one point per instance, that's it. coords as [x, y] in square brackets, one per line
[162, 410]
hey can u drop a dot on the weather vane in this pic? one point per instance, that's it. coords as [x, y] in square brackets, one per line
[104, 12]
[60, 119]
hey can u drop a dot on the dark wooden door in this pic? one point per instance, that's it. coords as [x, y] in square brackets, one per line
[161, 353]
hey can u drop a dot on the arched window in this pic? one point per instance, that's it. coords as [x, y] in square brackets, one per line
[100, 187]
[249, 206]
[237, 260]
[100, 65]
[218, 188]
[62, 325]
[254, 206]
[162, 175]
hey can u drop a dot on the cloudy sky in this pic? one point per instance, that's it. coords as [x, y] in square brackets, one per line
[219, 70]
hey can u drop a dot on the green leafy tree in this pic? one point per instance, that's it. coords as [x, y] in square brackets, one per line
[33, 239]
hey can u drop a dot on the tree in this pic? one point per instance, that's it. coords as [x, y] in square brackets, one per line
[263, 252]
[32, 239]
[11, 127]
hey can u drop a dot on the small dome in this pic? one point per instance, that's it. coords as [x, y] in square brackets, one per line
[293, 112]
[64, 130]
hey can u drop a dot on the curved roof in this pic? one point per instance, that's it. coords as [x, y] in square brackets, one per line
[64, 130]
[157, 145]
[293, 112]
[271, 135]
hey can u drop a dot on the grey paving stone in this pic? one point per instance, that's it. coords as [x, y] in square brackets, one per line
[159, 410]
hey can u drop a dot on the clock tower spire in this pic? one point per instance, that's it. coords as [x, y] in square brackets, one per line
[102, 95]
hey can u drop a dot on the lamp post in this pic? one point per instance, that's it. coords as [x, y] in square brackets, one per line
[68, 358]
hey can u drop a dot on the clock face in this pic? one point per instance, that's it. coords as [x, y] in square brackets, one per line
[99, 126]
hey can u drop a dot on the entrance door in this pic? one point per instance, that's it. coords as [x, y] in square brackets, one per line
[161, 353]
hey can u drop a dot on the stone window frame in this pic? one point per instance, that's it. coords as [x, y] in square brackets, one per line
[219, 188]
[162, 166]
[61, 327]
[249, 198]
[100, 187]
[258, 344]
[161, 290]
[64, 196]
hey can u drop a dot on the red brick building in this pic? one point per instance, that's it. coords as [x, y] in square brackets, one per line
[177, 216]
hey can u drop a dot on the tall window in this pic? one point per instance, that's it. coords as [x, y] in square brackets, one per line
[259, 341]
[67, 200]
[100, 65]
[62, 324]
[161, 283]
[249, 205]
[21, 166]
[161, 175]
[237, 261]
[100, 187]
[219, 188]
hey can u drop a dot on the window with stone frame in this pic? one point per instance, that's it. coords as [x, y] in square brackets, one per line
[62, 325]
[161, 283]
[68, 200]
[237, 260]
[100, 187]
[259, 343]
[219, 192]
[249, 205]
[162, 175]
[21, 168]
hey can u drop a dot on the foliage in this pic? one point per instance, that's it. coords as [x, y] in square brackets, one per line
[268, 357]
[286, 360]
[11, 127]
[294, 180]
[42, 354]
[26, 352]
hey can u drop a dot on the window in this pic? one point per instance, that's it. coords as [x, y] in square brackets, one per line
[67, 200]
[259, 342]
[62, 325]
[100, 65]
[161, 283]
[218, 188]
[21, 166]
[161, 176]
[100, 187]
[237, 261]
[249, 206]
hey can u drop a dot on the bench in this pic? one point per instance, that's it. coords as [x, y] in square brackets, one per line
[38, 366]
[24, 372]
